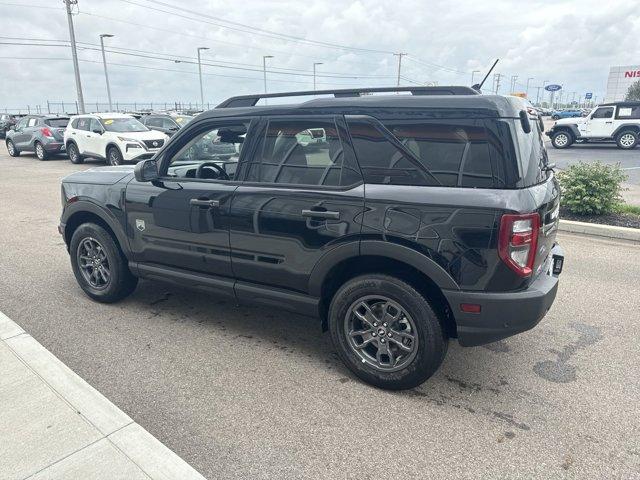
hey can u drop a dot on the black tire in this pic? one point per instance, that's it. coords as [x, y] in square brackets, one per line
[121, 282]
[114, 157]
[74, 154]
[432, 341]
[562, 139]
[627, 139]
[41, 153]
[555, 117]
[11, 148]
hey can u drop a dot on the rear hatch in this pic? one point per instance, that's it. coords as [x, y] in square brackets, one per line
[57, 127]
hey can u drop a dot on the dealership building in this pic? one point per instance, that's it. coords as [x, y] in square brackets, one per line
[620, 79]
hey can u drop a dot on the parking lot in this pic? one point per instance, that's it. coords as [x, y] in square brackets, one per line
[258, 393]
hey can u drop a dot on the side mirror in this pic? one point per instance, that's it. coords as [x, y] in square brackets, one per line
[146, 170]
[98, 131]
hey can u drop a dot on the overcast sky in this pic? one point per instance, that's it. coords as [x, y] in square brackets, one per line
[569, 42]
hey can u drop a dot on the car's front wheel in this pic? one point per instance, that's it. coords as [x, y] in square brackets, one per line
[11, 148]
[41, 153]
[386, 332]
[555, 117]
[561, 139]
[627, 140]
[114, 157]
[98, 264]
[74, 154]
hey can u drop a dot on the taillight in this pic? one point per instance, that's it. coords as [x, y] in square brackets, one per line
[518, 242]
[46, 132]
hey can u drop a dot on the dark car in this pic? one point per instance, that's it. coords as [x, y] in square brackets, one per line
[419, 218]
[42, 134]
[165, 123]
[7, 120]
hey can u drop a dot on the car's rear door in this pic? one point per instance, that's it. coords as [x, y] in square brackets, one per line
[297, 203]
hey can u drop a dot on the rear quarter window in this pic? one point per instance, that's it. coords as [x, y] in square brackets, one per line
[533, 155]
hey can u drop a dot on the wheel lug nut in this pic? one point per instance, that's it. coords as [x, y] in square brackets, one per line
[374, 334]
[389, 334]
[382, 340]
[385, 324]
[375, 324]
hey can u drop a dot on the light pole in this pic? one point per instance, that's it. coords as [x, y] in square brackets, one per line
[200, 75]
[527, 90]
[543, 85]
[74, 54]
[473, 73]
[104, 62]
[314, 73]
[513, 83]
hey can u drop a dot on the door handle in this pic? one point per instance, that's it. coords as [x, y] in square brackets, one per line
[198, 202]
[73, 133]
[321, 214]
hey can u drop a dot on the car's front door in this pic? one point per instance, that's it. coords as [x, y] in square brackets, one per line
[181, 221]
[20, 133]
[600, 123]
[94, 142]
[299, 201]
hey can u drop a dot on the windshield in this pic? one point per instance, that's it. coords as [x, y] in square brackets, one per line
[122, 125]
[182, 120]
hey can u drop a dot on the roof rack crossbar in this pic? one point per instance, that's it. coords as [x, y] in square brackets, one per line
[251, 100]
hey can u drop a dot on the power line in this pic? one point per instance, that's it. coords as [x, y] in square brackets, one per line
[435, 65]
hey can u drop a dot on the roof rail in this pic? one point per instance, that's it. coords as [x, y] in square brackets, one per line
[251, 100]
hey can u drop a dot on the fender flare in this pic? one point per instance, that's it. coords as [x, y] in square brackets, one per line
[626, 126]
[86, 206]
[573, 128]
[379, 248]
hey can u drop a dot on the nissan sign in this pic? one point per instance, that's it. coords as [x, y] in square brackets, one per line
[553, 88]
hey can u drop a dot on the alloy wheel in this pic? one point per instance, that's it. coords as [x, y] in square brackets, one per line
[561, 140]
[39, 151]
[627, 140]
[94, 263]
[113, 157]
[10, 148]
[381, 333]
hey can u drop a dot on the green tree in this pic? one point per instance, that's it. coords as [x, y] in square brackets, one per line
[634, 91]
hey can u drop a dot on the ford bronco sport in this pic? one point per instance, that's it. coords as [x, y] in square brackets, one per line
[416, 219]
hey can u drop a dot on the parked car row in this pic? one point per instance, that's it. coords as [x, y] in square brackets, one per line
[113, 137]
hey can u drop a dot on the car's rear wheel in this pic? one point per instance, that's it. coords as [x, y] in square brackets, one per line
[561, 139]
[74, 154]
[41, 153]
[386, 332]
[11, 148]
[99, 265]
[627, 139]
[114, 157]
[556, 117]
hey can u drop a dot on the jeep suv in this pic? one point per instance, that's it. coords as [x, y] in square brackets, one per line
[619, 122]
[417, 219]
[113, 137]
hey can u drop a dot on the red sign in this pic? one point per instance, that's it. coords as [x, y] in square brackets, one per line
[632, 74]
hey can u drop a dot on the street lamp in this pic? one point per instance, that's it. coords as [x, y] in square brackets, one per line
[528, 80]
[473, 73]
[104, 62]
[200, 75]
[314, 73]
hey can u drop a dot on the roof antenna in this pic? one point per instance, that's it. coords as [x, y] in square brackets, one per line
[478, 86]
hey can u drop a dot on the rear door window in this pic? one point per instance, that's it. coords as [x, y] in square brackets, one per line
[81, 123]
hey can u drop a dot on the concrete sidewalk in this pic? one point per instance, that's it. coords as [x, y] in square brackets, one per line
[54, 425]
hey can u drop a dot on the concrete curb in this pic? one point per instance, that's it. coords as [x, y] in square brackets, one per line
[119, 448]
[597, 230]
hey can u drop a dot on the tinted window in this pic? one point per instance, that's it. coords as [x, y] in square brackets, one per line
[167, 123]
[628, 112]
[22, 123]
[57, 122]
[301, 152]
[605, 112]
[381, 161]
[153, 122]
[456, 153]
[532, 154]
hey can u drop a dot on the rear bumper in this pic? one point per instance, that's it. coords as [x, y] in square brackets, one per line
[54, 147]
[506, 314]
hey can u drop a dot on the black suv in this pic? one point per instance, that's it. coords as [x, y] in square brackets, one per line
[418, 218]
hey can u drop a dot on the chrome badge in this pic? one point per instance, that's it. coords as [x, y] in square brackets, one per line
[140, 225]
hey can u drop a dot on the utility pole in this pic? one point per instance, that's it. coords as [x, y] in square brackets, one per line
[264, 73]
[513, 83]
[527, 89]
[74, 54]
[497, 77]
[104, 62]
[399, 55]
[315, 64]
[543, 85]
[200, 75]
[473, 74]
[538, 96]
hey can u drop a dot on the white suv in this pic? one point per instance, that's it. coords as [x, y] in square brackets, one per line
[619, 122]
[113, 137]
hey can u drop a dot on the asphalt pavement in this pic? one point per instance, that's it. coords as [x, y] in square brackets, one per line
[259, 393]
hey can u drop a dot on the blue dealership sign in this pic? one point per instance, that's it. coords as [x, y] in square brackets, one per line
[588, 95]
[553, 88]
